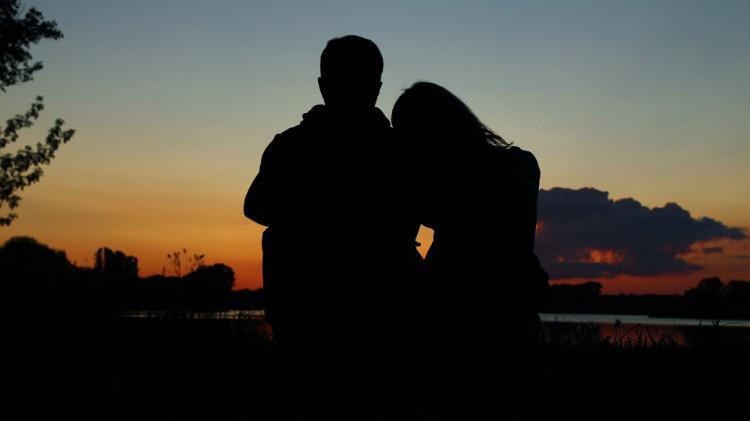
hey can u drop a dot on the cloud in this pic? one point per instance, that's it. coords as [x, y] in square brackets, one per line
[585, 234]
[712, 250]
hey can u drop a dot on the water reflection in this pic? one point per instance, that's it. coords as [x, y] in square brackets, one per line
[633, 319]
[573, 329]
[640, 330]
[184, 314]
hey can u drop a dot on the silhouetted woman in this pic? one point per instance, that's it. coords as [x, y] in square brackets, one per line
[479, 195]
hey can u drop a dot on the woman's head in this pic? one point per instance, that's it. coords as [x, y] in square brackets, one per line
[432, 115]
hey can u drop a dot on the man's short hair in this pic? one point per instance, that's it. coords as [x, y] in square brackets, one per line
[351, 54]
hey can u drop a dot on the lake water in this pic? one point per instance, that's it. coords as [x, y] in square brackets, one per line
[565, 327]
[228, 314]
[638, 319]
[638, 329]
[625, 319]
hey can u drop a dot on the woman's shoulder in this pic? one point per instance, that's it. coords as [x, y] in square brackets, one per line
[521, 159]
[521, 154]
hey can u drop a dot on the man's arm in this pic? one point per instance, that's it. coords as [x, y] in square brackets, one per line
[260, 200]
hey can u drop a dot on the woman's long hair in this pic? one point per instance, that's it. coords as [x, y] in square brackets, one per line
[430, 109]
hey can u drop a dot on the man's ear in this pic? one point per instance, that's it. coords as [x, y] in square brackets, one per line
[322, 87]
[376, 93]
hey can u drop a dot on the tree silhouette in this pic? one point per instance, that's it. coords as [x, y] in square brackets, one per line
[27, 263]
[209, 286]
[115, 263]
[18, 31]
[708, 298]
[707, 289]
[35, 275]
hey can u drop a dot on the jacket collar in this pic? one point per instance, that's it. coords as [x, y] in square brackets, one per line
[321, 117]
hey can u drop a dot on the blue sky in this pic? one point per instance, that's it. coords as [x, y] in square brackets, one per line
[174, 102]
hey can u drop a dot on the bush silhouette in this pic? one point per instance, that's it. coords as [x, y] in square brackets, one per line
[209, 286]
[28, 264]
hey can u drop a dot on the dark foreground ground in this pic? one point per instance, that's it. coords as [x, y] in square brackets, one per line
[178, 369]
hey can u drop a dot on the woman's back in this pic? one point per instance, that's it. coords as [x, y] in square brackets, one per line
[480, 198]
[481, 263]
[487, 208]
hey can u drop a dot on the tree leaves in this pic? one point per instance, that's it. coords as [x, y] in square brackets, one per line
[16, 37]
[18, 170]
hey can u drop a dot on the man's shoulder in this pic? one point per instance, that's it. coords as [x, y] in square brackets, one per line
[290, 135]
[289, 139]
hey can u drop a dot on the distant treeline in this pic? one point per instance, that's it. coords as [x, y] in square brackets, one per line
[709, 299]
[37, 278]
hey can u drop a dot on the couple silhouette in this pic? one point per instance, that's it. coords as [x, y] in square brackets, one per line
[343, 195]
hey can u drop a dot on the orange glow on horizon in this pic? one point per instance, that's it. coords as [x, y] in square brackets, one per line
[242, 252]
[79, 218]
[612, 257]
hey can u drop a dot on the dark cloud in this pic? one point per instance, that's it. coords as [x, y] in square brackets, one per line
[742, 256]
[585, 234]
[712, 250]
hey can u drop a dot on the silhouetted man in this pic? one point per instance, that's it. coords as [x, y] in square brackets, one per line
[339, 251]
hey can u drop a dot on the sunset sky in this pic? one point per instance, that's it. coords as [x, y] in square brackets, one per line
[174, 101]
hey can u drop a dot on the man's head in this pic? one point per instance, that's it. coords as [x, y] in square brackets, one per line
[350, 71]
